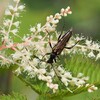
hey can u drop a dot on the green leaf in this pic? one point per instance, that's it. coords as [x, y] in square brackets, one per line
[75, 64]
[89, 67]
[13, 96]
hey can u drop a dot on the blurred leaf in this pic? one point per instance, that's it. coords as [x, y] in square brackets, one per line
[13, 96]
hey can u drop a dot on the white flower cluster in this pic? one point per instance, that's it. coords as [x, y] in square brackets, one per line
[91, 88]
[27, 54]
[78, 81]
[35, 69]
[68, 79]
[88, 47]
[94, 49]
[41, 73]
[52, 21]
[10, 26]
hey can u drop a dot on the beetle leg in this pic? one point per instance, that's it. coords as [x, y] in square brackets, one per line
[58, 57]
[38, 58]
[59, 36]
[50, 42]
[71, 46]
[46, 54]
[55, 60]
[61, 33]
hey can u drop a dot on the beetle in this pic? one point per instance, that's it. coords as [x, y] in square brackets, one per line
[58, 48]
[60, 45]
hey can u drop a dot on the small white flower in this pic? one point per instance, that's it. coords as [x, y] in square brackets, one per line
[39, 37]
[28, 68]
[80, 75]
[43, 65]
[3, 31]
[65, 14]
[18, 71]
[98, 56]
[16, 14]
[58, 16]
[61, 69]
[26, 52]
[16, 55]
[35, 61]
[16, 24]
[91, 55]
[7, 12]
[49, 28]
[35, 70]
[85, 78]
[20, 46]
[83, 50]
[80, 82]
[33, 29]
[54, 26]
[4, 61]
[10, 44]
[50, 18]
[62, 10]
[40, 56]
[38, 27]
[48, 79]
[11, 7]
[21, 7]
[95, 45]
[47, 18]
[68, 10]
[67, 75]
[73, 81]
[53, 86]
[42, 71]
[79, 38]
[14, 31]
[52, 73]
[65, 81]
[54, 21]
[87, 85]
[92, 88]
[41, 77]
[15, 9]
[7, 22]
[88, 42]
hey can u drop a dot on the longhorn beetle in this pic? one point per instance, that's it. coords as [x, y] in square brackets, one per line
[58, 48]
[60, 45]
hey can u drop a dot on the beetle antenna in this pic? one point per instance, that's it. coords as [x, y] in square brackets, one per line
[39, 58]
[62, 29]
[56, 73]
